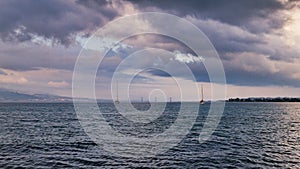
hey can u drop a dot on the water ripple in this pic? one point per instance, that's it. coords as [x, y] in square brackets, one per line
[254, 135]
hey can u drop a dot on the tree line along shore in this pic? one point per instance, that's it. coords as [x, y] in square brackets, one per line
[263, 99]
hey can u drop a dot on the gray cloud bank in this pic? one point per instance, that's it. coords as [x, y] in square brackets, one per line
[246, 33]
[55, 19]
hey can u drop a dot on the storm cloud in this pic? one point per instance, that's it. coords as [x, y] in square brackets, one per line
[242, 12]
[56, 19]
[254, 38]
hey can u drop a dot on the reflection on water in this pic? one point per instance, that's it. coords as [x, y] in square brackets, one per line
[249, 134]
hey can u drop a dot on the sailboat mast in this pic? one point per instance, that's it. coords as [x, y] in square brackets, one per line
[202, 101]
[202, 91]
[117, 91]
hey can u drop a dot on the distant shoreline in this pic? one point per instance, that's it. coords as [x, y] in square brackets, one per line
[264, 99]
[231, 100]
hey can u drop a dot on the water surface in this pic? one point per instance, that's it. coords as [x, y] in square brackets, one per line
[44, 135]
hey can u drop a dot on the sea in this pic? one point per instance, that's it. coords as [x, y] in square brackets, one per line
[249, 135]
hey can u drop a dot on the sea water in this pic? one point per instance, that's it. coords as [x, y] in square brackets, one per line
[44, 135]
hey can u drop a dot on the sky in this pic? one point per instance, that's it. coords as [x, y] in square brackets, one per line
[257, 42]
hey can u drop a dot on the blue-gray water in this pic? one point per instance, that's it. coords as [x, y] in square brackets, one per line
[45, 135]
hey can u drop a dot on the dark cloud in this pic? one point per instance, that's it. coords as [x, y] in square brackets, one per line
[248, 58]
[241, 12]
[228, 38]
[56, 19]
[253, 69]
[60, 20]
[102, 6]
[242, 77]
[28, 56]
[158, 72]
[233, 27]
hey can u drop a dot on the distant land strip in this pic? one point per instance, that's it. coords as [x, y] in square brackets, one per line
[264, 99]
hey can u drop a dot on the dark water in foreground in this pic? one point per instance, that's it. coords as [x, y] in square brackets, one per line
[41, 135]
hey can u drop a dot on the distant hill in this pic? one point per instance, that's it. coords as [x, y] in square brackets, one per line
[13, 96]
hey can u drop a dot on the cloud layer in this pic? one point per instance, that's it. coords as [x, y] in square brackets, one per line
[258, 41]
[56, 20]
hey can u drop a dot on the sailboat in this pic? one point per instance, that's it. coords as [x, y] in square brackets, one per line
[117, 100]
[202, 101]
